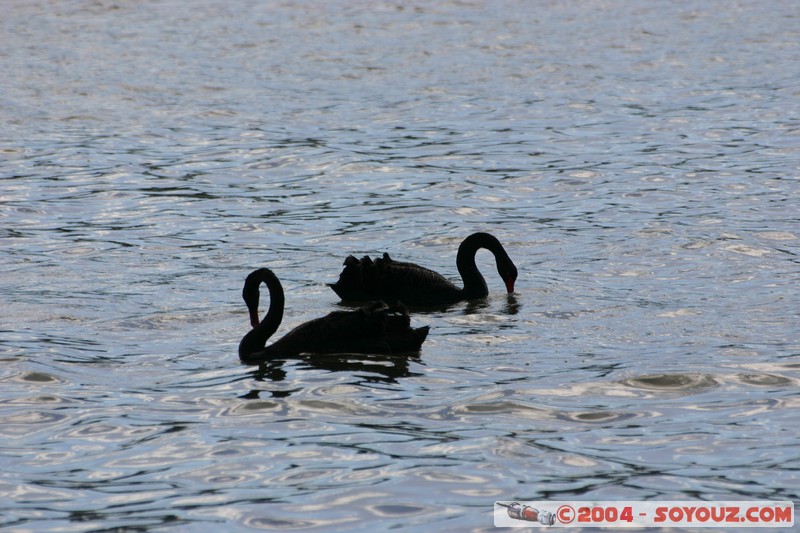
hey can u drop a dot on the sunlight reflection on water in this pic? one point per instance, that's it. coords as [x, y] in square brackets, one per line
[650, 351]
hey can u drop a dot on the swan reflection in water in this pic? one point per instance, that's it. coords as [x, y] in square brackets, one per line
[378, 368]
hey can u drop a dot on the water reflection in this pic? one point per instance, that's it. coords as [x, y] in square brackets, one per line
[652, 354]
[512, 305]
[673, 382]
[364, 369]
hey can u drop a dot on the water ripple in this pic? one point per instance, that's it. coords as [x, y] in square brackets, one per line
[650, 351]
[688, 383]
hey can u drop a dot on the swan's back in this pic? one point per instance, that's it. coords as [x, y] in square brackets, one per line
[392, 281]
[377, 328]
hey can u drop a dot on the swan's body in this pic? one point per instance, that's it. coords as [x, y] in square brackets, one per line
[376, 328]
[392, 281]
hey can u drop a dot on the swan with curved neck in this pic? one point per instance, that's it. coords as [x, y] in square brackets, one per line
[377, 328]
[389, 280]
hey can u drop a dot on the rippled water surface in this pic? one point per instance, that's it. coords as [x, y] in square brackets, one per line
[639, 160]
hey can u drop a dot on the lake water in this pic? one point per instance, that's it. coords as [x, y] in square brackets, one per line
[639, 160]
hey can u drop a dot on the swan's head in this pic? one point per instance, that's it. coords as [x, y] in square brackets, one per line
[507, 271]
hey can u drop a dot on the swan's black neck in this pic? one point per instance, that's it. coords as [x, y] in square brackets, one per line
[474, 283]
[256, 339]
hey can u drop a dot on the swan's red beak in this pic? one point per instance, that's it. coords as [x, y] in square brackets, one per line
[510, 285]
[254, 321]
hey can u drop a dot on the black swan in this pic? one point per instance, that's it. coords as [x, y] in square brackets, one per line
[377, 328]
[391, 281]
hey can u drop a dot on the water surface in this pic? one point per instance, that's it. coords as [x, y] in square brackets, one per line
[639, 161]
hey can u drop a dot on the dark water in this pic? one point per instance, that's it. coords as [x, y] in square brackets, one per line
[639, 160]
